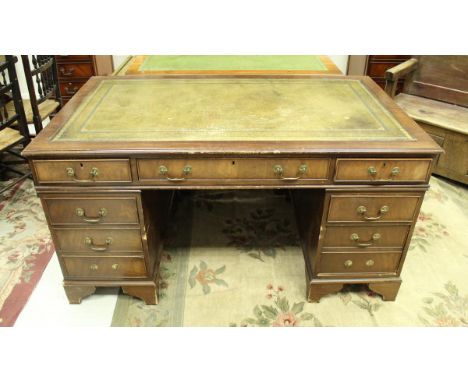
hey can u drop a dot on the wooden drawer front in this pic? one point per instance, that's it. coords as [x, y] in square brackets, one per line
[358, 262]
[235, 168]
[98, 240]
[104, 267]
[82, 172]
[382, 170]
[75, 70]
[373, 208]
[360, 237]
[91, 210]
[74, 57]
[69, 89]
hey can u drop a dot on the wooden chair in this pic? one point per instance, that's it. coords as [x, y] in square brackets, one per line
[44, 95]
[14, 132]
[435, 95]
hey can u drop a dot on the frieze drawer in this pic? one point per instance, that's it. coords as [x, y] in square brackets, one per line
[82, 172]
[281, 170]
[382, 170]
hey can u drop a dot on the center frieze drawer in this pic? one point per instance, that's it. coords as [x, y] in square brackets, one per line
[373, 207]
[116, 267]
[366, 236]
[82, 172]
[90, 210]
[279, 169]
[98, 240]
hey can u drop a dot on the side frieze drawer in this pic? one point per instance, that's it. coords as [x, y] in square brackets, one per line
[389, 170]
[82, 172]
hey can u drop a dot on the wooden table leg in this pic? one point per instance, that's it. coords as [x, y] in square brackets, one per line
[388, 290]
[148, 293]
[317, 291]
[76, 293]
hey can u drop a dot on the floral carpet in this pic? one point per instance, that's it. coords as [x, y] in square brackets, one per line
[233, 259]
[25, 248]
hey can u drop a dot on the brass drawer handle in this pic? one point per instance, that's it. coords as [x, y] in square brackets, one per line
[115, 266]
[66, 73]
[93, 174]
[373, 172]
[81, 213]
[362, 210]
[278, 171]
[72, 91]
[97, 247]
[355, 237]
[94, 267]
[163, 170]
[369, 263]
[348, 263]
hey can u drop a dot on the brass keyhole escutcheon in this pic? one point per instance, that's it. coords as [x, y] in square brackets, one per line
[348, 263]
[93, 267]
[370, 263]
[115, 266]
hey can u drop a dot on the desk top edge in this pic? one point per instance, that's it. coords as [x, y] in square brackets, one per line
[42, 146]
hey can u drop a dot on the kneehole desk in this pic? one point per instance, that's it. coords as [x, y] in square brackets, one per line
[108, 164]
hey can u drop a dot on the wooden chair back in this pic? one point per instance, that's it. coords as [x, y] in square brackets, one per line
[10, 94]
[42, 83]
[443, 78]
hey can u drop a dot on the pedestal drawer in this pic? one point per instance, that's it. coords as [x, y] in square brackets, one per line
[82, 172]
[276, 169]
[358, 262]
[382, 170]
[104, 267]
[98, 240]
[90, 209]
[366, 236]
[373, 207]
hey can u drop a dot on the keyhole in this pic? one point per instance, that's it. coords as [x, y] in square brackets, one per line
[233, 162]
[81, 165]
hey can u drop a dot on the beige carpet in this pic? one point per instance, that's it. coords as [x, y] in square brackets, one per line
[233, 259]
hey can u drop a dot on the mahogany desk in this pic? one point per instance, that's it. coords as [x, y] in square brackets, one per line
[227, 65]
[106, 167]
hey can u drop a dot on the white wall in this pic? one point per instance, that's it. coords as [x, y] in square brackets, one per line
[341, 62]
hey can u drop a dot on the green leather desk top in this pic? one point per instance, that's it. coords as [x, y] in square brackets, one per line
[249, 109]
[230, 115]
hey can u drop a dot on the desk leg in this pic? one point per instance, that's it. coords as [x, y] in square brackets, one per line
[317, 291]
[148, 294]
[388, 290]
[76, 293]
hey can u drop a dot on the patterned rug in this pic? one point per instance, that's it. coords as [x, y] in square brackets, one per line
[25, 248]
[233, 259]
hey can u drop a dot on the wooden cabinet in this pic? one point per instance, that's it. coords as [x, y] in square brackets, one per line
[378, 65]
[74, 70]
